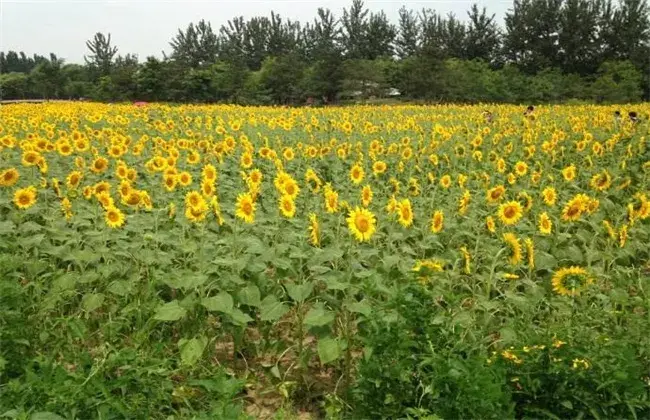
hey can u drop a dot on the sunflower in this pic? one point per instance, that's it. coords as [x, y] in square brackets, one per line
[88, 192]
[445, 181]
[356, 174]
[362, 223]
[575, 207]
[569, 173]
[379, 167]
[405, 213]
[288, 154]
[245, 208]
[287, 206]
[545, 224]
[196, 213]
[331, 201]
[216, 209]
[549, 195]
[99, 165]
[467, 259]
[246, 160]
[530, 252]
[514, 246]
[125, 188]
[526, 199]
[255, 177]
[510, 212]
[209, 173]
[601, 181]
[184, 179]
[207, 189]
[314, 230]
[31, 158]
[521, 168]
[24, 198]
[193, 158]
[463, 202]
[501, 166]
[490, 224]
[105, 199]
[437, 221]
[414, 187]
[170, 182]
[622, 236]
[366, 196]
[313, 180]
[114, 217]
[290, 187]
[495, 194]
[9, 177]
[570, 281]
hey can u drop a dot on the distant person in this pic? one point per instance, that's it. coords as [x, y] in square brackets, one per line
[617, 116]
[530, 112]
[634, 118]
[488, 116]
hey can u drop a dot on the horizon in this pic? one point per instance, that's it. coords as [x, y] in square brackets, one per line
[43, 26]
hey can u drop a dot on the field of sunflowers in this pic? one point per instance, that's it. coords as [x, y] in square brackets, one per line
[355, 262]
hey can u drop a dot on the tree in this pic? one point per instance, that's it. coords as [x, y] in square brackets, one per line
[483, 38]
[353, 35]
[195, 47]
[14, 85]
[579, 40]
[47, 78]
[618, 82]
[279, 76]
[408, 35]
[102, 55]
[532, 34]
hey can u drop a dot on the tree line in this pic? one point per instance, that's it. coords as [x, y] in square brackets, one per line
[546, 51]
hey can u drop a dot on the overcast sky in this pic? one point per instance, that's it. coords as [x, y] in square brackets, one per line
[145, 27]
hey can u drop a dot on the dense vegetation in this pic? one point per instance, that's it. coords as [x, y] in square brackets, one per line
[547, 51]
[359, 262]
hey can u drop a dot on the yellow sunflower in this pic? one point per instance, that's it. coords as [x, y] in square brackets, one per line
[510, 212]
[356, 174]
[495, 194]
[9, 177]
[184, 179]
[549, 195]
[405, 213]
[245, 208]
[379, 167]
[99, 165]
[514, 247]
[287, 206]
[331, 201]
[114, 217]
[445, 181]
[569, 173]
[490, 224]
[366, 196]
[601, 181]
[545, 224]
[570, 281]
[530, 252]
[437, 221]
[314, 230]
[24, 198]
[362, 223]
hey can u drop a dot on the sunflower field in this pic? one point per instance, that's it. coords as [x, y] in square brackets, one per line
[344, 262]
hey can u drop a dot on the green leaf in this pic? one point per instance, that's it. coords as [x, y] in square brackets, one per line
[45, 415]
[328, 350]
[65, 282]
[318, 316]
[360, 307]
[120, 287]
[220, 303]
[170, 311]
[250, 296]
[271, 309]
[300, 292]
[191, 350]
[92, 301]
[7, 227]
[239, 317]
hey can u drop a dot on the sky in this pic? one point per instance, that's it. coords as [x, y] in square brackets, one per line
[145, 27]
